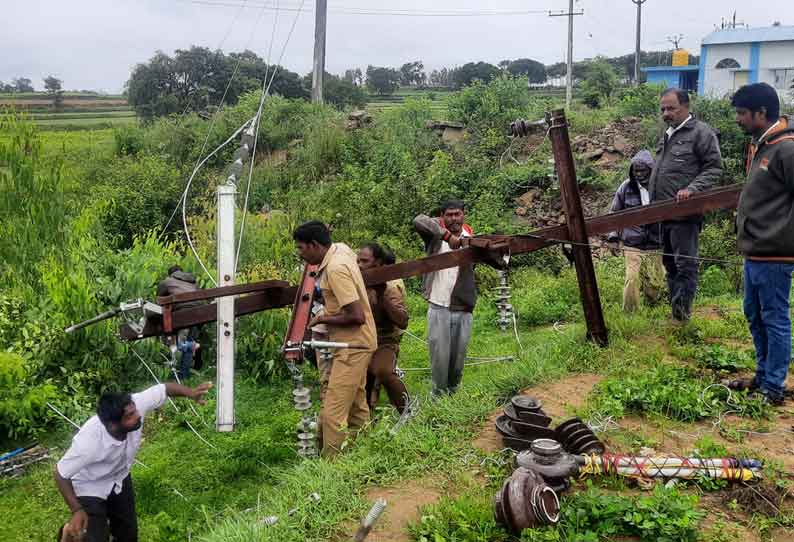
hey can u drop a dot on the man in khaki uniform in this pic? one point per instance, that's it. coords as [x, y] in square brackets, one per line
[348, 318]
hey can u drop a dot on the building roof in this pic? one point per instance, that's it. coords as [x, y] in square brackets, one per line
[671, 69]
[750, 35]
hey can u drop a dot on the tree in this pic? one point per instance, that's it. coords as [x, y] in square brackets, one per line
[600, 83]
[54, 88]
[354, 77]
[341, 92]
[441, 78]
[413, 73]
[23, 84]
[534, 70]
[382, 80]
[6, 87]
[464, 75]
[197, 78]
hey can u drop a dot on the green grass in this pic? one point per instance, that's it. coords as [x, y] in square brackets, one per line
[90, 123]
[255, 474]
[83, 114]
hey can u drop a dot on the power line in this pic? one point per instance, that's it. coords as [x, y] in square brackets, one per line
[349, 10]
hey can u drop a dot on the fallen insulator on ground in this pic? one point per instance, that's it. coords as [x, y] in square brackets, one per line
[519, 435]
[527, 409]
[526, 501]
[547, 458]
[731, 469]
[578, 439]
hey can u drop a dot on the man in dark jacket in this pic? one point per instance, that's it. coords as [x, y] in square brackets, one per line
[180, 282]
[688, 161]
[451, 295]
[765, 229]
[643, 265]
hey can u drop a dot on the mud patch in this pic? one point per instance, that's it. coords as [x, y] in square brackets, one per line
[559, 399]
[404, 502]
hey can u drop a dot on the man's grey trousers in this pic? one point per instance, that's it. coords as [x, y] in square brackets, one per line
[448, 334]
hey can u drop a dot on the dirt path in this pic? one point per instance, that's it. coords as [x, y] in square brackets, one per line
[404, 503]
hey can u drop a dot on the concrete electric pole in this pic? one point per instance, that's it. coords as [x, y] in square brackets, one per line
[637, 50]
[569, 77]
[321, 14]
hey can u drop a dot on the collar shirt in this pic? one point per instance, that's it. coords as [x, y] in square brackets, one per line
[97, 463]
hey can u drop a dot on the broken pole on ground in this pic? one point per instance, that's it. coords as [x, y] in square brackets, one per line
[577, 229]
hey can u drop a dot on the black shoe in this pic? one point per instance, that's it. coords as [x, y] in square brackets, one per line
[767, 398]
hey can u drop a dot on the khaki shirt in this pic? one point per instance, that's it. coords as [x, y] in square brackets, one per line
[342, 284]
[394, 293]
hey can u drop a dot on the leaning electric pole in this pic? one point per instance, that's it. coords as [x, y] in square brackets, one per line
[637, 50]
[569, 75]
[321, 14]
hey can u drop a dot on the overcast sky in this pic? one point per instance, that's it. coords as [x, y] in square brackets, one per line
[93, 44]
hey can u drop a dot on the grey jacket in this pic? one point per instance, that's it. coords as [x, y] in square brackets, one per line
[464, 293]
[765, 217]
[628, 196]
[179, 282]
[689, 159]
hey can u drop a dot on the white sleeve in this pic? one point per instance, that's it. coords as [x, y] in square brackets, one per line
[80, 454]
[150, 399]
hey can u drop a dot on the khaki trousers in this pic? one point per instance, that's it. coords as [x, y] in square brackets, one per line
[344, 407]
[644, 272]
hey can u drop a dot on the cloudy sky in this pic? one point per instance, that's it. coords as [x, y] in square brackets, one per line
[93, 44]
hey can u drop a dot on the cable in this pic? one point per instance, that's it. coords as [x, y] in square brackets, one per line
[187, 188]
[173, 404]
[189, 101]
[265, 90]
[258, 118]
[350, 10]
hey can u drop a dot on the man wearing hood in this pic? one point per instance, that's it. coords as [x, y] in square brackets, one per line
[688, 161]
[765, 234]
[181, 282]
[643, 266]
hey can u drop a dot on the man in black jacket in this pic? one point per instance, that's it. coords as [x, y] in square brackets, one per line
[643, 264]
[688, 161]
[765, 229]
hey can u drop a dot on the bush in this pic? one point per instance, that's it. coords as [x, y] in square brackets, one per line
[23, 402]
[641, 101]
[720, 115]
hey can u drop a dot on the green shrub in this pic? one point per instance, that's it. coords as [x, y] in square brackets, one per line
[720, 115]
[23, 401]
[671, 391]
[467, 519]
[641, 101]
[589, 516]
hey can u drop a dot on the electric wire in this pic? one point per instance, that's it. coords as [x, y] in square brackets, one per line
[187, 188]
[188, 104]
[171, 401]
[351, 10]
[258, 118]
[204, 146]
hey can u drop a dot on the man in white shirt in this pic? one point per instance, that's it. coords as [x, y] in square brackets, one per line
[94, 474]
[451, 294]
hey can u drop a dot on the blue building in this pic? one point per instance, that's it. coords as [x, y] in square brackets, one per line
[685, 77]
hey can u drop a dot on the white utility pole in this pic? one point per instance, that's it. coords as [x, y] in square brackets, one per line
[224, 412]
[637, 50]
[320, 17]
[569, 77]
[224, 419]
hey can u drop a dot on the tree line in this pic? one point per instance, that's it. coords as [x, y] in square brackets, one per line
[198, 79]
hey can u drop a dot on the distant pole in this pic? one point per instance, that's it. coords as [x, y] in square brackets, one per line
[637, 50]
[321, 14]
[569, 75]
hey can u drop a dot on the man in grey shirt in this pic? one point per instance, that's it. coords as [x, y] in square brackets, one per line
[94, 474]
[688, 161]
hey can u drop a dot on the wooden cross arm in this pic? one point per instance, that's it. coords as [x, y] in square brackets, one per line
[277, 294]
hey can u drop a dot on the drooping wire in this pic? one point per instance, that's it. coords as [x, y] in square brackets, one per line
[258, 118]
[171, 401]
